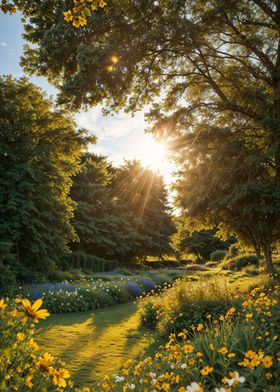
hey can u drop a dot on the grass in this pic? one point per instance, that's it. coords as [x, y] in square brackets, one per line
[93, 344]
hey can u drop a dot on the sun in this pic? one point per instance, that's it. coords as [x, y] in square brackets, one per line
[154, 155]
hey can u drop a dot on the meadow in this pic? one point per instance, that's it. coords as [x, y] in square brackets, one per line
[203, 330]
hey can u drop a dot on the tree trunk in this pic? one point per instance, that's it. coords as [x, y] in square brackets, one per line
[258, 251]
[268, 258]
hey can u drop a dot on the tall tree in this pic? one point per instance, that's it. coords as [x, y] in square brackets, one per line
[39, 152]
[145, 196]
[217, 67]
[103, 224]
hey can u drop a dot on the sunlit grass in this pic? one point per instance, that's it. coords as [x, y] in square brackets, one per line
[93, 344]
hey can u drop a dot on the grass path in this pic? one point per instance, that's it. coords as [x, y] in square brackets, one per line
[93, 344]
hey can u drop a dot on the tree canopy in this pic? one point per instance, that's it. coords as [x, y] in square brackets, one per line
[215, 66]
[40, 149]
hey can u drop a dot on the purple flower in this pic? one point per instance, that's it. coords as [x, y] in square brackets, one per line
[134, 289]
[148, 284]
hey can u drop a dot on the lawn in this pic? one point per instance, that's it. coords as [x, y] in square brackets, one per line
[93, 344]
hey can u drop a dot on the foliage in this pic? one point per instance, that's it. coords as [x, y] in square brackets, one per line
[77, 16]
[185, 304]
[99, 291]
[233, 251]
[215, 69]
[121, 214]
[241, 262]
[238, 351]
[40, 149]
[7, 278]
[201, 243]
[144, 194]
[218, 255]
[80, 259]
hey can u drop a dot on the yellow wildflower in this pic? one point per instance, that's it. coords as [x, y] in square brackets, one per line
[188, 348]
[68, 16]
[28, 382]
[223, 350]
[33, 311]
[20, 337]
[206, 370]
[2, 304]
[102, 3]
[59, 377]
[45, 362]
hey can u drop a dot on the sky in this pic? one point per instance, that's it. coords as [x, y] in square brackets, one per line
[119, 137]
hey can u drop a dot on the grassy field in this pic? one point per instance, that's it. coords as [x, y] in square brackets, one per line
[93, 344]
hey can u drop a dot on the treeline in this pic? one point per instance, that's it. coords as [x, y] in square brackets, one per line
[60, 203]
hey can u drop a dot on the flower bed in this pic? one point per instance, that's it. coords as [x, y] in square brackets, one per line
[239, 351]
[93, 294]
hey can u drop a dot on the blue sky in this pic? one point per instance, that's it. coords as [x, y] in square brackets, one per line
[119, 137]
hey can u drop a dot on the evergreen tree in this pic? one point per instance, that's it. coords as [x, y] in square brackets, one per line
[145, 196]
[39, 152]
[103, 225]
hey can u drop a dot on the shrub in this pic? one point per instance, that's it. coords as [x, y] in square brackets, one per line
[7, 279]
[148, 284]
[58, 276]
[233, 251]
[134, 289]
[218, 255]
[83, 260]
[160, 278]
[246, 260]
[187, 303]
[124, 271]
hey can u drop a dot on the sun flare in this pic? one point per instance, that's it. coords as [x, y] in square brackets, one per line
[154, 155]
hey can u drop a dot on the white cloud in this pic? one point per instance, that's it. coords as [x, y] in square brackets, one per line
[3, 44]
[108, 128]
[97, 149]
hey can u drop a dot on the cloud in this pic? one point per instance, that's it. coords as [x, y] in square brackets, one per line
[109, 128]
[3, 44]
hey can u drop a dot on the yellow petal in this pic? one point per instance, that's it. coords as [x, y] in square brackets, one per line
[37, 304]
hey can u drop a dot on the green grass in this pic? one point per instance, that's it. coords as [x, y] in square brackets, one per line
[93, 344]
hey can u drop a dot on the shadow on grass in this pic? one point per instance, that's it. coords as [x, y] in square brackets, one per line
[96, 343]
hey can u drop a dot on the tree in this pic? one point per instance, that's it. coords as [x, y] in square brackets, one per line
[103, 224]
[217, 67]
[40, 149]
[144, 194]
[201, 242]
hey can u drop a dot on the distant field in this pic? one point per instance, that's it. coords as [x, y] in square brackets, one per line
[93, 344]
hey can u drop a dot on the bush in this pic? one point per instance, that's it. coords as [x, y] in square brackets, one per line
[58, 276]
[124, 271]
[134, 289]
[244, 261]
[218, 255]
[233, 251]
[83, 260]
[187, 303]
[148, 284]
[7, 279]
